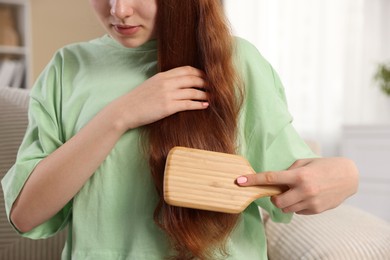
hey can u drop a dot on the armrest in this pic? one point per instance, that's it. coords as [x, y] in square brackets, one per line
[342, 233]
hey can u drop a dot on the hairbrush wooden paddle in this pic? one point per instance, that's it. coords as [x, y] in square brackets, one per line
[207, 180]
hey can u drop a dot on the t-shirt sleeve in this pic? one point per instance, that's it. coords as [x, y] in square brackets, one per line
[285, 149]
[267, 137]
[43, 136]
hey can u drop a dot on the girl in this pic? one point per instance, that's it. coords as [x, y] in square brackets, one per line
[104, 114]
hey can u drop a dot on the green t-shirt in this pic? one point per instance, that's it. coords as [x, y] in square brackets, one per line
[111, 217]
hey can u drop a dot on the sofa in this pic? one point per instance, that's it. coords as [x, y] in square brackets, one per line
[342, 233]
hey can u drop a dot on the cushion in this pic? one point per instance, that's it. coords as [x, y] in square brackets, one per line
[17, 96]
[342, 233]
[13, 123]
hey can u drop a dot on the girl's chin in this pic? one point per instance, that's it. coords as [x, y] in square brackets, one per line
[130, 42]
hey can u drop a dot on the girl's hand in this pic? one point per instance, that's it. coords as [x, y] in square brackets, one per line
[163, 95]
[315, 185]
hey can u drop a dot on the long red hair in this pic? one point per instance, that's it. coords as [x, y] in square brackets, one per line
[195, 33]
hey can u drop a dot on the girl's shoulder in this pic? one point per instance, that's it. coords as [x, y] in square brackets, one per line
[247, 57]
[245, 47]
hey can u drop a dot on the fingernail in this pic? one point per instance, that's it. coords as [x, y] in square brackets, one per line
[242, 180]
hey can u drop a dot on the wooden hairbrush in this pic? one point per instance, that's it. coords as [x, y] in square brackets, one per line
[206, 180]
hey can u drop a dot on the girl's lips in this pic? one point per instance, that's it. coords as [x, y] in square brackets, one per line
[126, 29]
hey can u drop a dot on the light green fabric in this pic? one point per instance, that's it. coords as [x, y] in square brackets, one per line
[111, 217]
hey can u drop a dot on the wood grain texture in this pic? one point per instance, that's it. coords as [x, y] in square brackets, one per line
[207, 180]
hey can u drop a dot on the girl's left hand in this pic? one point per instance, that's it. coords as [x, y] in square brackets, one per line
[315, 185]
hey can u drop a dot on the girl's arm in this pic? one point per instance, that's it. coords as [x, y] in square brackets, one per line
[58, 177]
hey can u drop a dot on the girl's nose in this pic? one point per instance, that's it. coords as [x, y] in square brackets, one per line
[121, 9]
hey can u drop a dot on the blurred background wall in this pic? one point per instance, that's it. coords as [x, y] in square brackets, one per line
[55, 23]
[326, 53]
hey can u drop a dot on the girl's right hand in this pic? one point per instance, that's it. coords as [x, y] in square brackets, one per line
[162, 95]
[59, 176]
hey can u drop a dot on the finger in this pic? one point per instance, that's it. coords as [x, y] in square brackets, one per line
[304, 212]
[188, 82]
[185, 105]
[183, 82]
[301, 208]
[307, 206]
[184, 71]
[287, 199]
[191, 94]
[311, 211]
[298, 207]
[289, 202]
[267, 178]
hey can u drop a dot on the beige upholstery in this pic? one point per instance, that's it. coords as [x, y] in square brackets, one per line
[344, 233]
[13, 122]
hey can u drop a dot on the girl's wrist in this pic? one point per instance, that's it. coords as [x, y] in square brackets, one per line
[113, 116]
